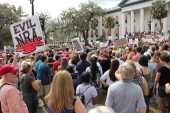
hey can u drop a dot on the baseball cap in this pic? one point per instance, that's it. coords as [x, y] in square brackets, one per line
[104, 55]
[94, 55]
[7, 68]
[147, 53]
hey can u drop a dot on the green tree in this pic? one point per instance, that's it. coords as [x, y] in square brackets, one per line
[158, 10]
[77, 20]
[101, 38]
[109, 22]
[9, 14]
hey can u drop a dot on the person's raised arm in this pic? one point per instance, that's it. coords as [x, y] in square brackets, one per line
[35, 59]
[16, 56]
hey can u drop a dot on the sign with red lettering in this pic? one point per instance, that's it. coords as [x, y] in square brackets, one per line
[27, 36]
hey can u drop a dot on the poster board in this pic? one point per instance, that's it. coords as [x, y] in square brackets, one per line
[120, 42]
[136, 41]
[78, 45]
[101, 44]
[110, 37]
[148, 36]
[157, 36]
[27, 36]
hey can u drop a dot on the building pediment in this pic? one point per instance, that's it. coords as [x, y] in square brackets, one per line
[125, 3]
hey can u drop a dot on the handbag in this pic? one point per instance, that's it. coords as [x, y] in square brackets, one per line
[150, 89]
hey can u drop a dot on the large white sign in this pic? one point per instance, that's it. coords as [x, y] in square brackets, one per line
[78, 45]
[27, 36]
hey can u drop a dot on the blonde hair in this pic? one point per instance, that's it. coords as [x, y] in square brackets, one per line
[101, 109]
[134, 67]
[130, 55]
[61, 92]
[64, 63]
[155, 58]
[25, 67]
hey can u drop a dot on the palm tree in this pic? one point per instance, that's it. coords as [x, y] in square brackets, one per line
[158, 10]
[109, 22]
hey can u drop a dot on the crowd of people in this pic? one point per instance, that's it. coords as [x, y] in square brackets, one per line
[69, 82]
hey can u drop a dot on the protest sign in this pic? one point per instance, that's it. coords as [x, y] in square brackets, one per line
[120, 42]
[110, 37]
[136, 41]
[101, 44]
[78, 45]
[148, 36]
[27, 36]
[166, 37]
[157, 36]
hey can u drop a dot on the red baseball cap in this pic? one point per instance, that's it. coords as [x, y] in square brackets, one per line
[104, 55]
[7, 68]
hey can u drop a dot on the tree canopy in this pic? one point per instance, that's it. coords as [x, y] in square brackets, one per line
[9, 14]
[109, 22]
[158, 10]
[82, 19]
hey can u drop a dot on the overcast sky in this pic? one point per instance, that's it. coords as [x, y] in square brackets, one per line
[56, 6]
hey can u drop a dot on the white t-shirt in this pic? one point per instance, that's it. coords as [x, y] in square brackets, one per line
[88, 94]
[106, 77]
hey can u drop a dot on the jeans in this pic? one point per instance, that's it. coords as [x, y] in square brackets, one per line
[147, 101]
[32, 103]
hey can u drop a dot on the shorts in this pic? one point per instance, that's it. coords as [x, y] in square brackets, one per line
[99, 91]
[161, 92]
[45, 89]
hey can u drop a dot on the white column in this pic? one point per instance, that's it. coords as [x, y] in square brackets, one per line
[123, 24]
[128, 22]
[132, 22]
[165, 25]
[142, 20]
[153, 25]
[100, 26]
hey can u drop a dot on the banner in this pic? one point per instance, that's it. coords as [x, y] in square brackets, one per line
[27, 36]
[78, 45]
[120, 42]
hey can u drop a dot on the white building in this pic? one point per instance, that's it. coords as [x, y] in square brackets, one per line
[132, 16]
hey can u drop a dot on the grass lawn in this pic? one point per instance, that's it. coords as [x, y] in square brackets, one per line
[153, 106]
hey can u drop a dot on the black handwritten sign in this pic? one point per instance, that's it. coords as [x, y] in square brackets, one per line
[27, 36]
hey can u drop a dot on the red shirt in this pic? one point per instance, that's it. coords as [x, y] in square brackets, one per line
[67, 54]
[56, 65]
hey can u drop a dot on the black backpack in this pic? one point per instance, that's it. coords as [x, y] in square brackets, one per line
[0, 102]
[82, 97]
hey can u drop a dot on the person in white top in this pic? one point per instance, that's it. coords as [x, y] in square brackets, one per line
[89, 92]
[109, 75]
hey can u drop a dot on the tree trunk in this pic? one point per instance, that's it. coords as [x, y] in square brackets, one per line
[160, 25]
[85, 36]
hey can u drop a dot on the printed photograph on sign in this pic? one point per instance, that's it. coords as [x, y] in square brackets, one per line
[27, 36]
[77, 44]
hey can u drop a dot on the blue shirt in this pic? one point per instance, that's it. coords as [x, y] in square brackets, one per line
[81, 67]
[37, 65]
[44, 74]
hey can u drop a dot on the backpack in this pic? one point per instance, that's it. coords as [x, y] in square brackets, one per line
[82, 97]
[0, 102]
